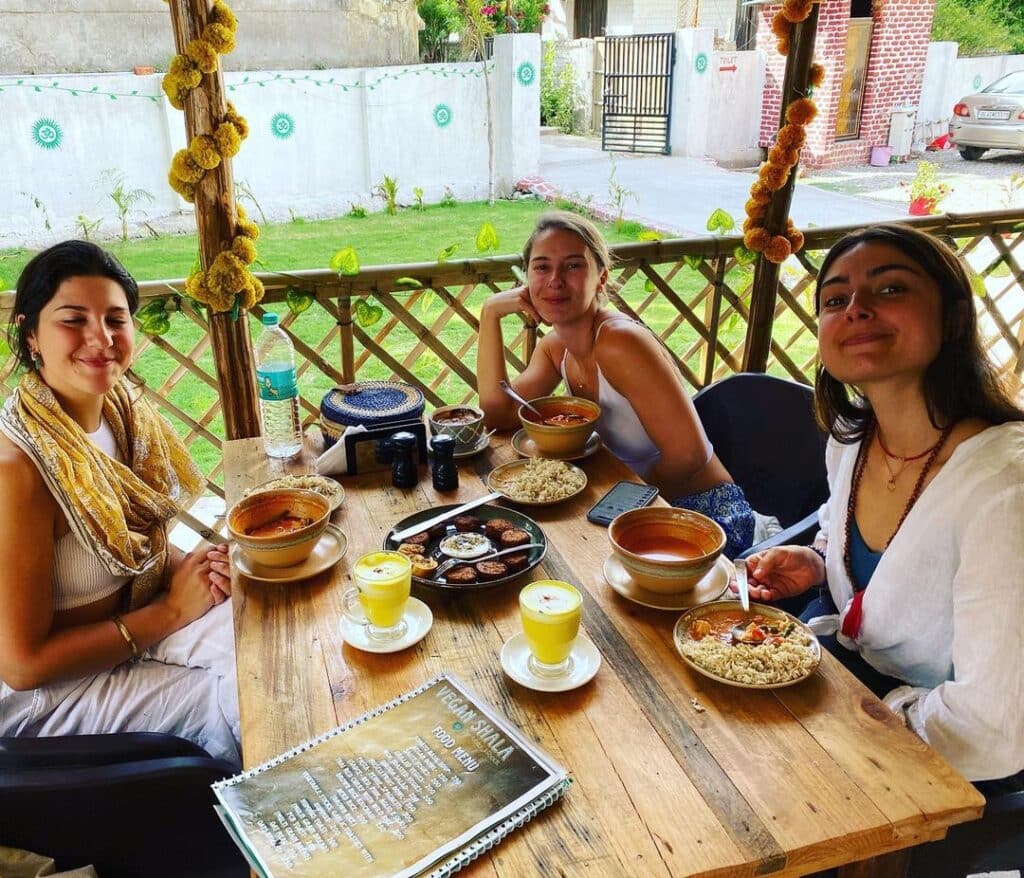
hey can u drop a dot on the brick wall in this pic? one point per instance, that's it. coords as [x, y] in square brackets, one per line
[899, 48]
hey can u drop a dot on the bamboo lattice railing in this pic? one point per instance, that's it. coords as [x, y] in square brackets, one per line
[690, 291]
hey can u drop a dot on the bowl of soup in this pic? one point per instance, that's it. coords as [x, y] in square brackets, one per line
[666, 550]
[464, 423]
[565, 427]
[279, 527]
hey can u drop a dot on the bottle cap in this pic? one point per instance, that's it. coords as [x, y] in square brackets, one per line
[442, 444]
[270, 319]
[403, 440]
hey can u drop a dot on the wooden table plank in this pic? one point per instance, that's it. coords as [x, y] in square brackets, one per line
[741, 783]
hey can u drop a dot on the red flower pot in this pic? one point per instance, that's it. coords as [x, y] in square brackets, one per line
[922, 207]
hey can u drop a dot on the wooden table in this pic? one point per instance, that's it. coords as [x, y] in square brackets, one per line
[674, 774]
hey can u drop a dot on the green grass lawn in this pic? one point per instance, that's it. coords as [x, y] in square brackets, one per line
[410, 236]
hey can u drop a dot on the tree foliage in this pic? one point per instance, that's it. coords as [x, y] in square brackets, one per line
[981, 27]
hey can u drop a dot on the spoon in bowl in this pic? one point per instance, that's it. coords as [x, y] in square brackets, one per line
[504, 385]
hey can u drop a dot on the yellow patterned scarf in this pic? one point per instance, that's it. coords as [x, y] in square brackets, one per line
[118, 509]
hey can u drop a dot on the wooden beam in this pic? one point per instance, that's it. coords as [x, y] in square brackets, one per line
[766, 273]
[205, 107]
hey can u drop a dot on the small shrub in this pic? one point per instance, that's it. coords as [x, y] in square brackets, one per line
[357, 211]
[448, 199]
[87, 226]
[441, 19]
[387, 189]
[125, 198]
[559, 96]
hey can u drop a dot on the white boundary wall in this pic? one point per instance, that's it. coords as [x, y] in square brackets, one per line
[948, 78]
[716, 100]
[426, 125]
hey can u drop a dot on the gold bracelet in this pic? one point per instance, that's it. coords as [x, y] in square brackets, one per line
[127, 635]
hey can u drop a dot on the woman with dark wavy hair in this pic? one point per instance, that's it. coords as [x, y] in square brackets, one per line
[104, 625]
[922, 538]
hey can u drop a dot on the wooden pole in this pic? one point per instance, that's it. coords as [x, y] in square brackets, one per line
[205, 107]
[766, 273]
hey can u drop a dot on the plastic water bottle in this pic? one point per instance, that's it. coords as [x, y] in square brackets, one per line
[278, 389]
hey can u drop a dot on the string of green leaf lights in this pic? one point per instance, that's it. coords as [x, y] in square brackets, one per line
[261, 82]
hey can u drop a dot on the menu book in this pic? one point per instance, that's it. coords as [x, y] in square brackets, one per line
[420, 786]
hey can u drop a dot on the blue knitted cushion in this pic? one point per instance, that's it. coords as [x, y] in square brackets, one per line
[370, 403]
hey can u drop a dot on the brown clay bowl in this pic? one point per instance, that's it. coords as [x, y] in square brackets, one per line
[666, 550]
[560, 440]
[285, 549]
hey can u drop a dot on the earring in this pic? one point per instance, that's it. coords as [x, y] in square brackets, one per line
[37, 360]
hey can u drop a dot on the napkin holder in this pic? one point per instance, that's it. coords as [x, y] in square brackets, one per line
[370, 452]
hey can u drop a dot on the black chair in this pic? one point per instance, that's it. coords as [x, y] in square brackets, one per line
[131, 804]
[764, 432]
[993, 844]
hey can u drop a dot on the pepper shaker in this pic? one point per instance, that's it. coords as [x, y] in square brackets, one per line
[403, 467]
[444, 473]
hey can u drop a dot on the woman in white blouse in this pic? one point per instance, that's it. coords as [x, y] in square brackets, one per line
[922, 539]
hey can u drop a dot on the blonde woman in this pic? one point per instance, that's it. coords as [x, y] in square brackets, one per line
[648, 420]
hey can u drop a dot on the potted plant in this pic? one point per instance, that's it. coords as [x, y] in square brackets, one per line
[925, 190]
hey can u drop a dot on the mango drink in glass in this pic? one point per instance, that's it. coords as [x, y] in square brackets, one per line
[550, 612]
[383, 580]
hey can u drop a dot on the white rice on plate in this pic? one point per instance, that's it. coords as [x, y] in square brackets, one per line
[540, 480]
[762, 665]
[328, 488]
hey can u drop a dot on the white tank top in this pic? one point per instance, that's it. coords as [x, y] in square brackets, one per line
[79, 577]
[619, 427]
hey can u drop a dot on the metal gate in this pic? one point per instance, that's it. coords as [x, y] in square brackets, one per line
[637, 98]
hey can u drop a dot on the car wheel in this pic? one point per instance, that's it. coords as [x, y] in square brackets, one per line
[972, 153]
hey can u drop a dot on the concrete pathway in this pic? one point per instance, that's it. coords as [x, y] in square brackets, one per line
[678, 194]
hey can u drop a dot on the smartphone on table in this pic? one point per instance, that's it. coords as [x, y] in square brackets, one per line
[621, 498]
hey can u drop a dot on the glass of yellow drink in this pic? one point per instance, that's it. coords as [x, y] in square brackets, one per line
[550, 611]
[382, 582]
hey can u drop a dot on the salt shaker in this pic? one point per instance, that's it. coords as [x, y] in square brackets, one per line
[444, 473]
[403, 467]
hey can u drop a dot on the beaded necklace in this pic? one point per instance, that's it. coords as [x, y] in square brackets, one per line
[858, 472]
[855, 612]
[903, 459]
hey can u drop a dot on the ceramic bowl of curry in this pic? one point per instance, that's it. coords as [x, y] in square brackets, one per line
[567, 423]
[666, 550]
[279, 527]
[464, 423]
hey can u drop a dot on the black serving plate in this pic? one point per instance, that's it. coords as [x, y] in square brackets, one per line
[484, 513]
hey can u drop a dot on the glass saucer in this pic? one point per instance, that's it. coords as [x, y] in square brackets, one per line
[515, 655]
[417, 617]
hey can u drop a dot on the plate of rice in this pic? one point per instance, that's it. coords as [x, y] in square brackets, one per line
[778, 649]
[537, 481]
[324, 486]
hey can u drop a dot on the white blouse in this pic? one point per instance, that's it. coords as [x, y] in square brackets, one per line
[945, 607]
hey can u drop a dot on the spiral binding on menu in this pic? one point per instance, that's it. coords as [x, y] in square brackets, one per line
[312, 742]
[490, 838]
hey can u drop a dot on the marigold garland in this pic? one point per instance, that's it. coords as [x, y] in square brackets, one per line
[228, 278]
[200, 56]
[227, 283]
[785, 154]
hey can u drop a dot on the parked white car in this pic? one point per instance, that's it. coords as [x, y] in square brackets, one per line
[991, 119]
